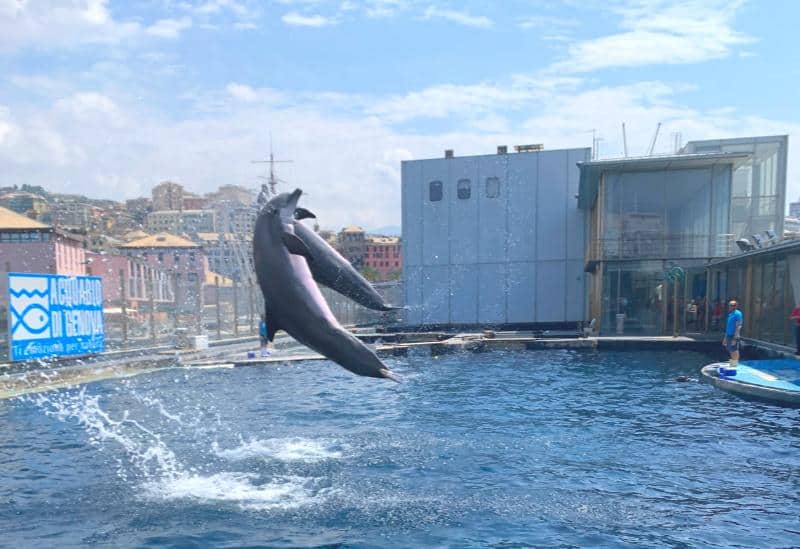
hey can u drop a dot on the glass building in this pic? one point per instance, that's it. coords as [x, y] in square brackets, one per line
[766, 283]
[654, 224]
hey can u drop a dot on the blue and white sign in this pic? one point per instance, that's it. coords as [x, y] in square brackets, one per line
[55, 315]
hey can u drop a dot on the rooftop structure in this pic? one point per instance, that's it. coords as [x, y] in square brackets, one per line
[160, 240]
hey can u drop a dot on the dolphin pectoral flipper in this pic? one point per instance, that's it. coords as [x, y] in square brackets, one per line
[296, 246]
[302, 213]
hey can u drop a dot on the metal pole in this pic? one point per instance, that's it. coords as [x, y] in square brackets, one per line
[251, 306]
[235, 308]
[219, 314]
[124, 300]
[675, 310]
[152, 307]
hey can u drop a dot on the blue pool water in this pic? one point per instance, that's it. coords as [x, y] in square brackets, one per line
[546, 448]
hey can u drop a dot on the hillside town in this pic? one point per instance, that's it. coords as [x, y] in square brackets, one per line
[173, 261]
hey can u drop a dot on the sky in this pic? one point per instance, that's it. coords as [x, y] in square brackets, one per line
[109, 98]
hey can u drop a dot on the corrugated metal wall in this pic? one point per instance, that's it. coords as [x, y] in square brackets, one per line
[510, 252]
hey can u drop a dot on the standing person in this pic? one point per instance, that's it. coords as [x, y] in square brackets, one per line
[733, 331]
[262, 331]
[796, 317]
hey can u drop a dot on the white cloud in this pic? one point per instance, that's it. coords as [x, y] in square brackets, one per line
[169, 28]
[346, 149]
[49, 24]
[661, 32]
[297, 19]
[462, 18]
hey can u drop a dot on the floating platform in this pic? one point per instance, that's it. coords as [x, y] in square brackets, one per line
[776, 381]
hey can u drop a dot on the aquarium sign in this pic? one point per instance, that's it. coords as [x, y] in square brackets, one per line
[54, 315]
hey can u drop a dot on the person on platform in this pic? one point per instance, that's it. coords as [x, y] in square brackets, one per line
[796, 317]
[262, 331]
[733, 331]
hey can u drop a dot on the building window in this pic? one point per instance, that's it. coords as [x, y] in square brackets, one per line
[435, 191]
[464, 189]
[492, 187]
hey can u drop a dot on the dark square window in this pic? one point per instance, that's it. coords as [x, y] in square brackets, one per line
[464, 189]
[492, 187]
[435, 191]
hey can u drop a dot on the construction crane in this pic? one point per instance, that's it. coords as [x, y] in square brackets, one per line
[653, 142]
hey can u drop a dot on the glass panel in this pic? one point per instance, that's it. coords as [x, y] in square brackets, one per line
[751, 324]
[766, 318]
[636, 290]
[435, 191]
[464, 189]
[781, 309]
[492, 187]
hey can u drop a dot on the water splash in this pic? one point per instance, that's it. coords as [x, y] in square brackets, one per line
[147, 460]
[283, 449]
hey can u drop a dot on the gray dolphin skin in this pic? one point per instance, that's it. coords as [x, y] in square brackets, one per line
[293, 301]
[334, 271]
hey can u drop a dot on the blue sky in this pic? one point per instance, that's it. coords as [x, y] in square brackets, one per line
[108, 98]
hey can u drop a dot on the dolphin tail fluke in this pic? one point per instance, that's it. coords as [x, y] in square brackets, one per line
[388, 374]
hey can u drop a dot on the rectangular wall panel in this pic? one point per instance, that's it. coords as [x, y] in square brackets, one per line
[550, 291]
[435, 214]
[492, 218]
[521, 292]
[522, 175]
[492, 293]
[463, 211]
[552, 205]
[436, 294]
[413, 295]
[576, 224]
[411, 200]
[575, 283]
[464, 294]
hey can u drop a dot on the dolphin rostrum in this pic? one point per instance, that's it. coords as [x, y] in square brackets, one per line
[293, 301]
[334, 271]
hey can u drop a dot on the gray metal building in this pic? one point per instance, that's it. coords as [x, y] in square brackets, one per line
[494, 239]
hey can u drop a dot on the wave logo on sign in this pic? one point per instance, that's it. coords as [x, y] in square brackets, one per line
[30, 308]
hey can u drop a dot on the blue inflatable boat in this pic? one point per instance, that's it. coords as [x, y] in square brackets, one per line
[776, 381]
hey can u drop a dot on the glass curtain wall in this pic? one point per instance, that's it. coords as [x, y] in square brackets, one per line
[665, 214]
[768, 302]
[756, 200]
[649, 300]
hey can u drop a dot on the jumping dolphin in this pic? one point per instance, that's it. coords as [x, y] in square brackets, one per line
[292, 300]
[334, 271]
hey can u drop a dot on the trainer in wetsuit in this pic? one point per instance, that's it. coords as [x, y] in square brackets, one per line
[733, 331]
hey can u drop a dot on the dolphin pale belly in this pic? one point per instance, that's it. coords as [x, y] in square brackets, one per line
[329, 268]
[292, 299]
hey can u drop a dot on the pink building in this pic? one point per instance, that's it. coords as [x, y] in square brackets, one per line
[28, 246]
[182, 261]
[383, 254]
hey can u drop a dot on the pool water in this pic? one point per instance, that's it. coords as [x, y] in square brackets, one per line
[546, 448]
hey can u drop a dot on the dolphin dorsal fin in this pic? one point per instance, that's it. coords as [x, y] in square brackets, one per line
[296, 246]
[302, 213]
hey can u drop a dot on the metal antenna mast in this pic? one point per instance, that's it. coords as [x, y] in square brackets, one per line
[272, 181]
[653, 143]
[624, 140]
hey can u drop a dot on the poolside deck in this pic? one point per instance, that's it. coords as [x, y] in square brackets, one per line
[24, 379]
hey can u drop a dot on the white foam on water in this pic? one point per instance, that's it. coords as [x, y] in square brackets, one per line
[163, 477]
[282, 449]
[281, 493]
[145, 449]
